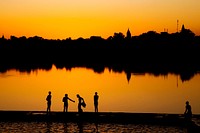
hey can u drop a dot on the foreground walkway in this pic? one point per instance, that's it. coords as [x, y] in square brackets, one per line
[92, 116]
[103, 117]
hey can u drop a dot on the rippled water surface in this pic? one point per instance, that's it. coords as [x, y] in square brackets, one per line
[46, 127]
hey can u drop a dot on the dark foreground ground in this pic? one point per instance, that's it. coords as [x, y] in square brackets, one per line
[104, 117]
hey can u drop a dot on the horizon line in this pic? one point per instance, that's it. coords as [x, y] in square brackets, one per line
[96, 35]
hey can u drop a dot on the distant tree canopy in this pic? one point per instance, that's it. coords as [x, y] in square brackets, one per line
[152, 52]
[151, 37]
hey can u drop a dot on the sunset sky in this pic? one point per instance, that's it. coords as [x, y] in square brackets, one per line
[60, 19]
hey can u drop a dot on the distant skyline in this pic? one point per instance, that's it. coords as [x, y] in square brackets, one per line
[60, 19]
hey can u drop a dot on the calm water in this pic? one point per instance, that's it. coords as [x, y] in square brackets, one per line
[42, 127]
[143, 93]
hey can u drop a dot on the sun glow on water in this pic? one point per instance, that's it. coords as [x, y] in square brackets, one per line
[143, 93]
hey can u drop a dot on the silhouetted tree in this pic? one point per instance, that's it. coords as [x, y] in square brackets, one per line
[150, 52]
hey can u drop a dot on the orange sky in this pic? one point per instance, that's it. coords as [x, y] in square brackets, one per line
[60, 19]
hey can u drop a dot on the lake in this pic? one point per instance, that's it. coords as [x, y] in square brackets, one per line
[48, 127]
[142, 93]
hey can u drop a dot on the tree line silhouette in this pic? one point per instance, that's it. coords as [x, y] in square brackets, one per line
[150, 52]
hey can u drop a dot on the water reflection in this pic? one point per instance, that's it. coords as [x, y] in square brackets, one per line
[80, 127]
[65, 127]
[48, 127]
[41, 127]
[143, 93]
[186, 72]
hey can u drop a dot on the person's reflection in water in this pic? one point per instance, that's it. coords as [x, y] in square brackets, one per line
[48, 99]
[80, 126]
[48, 128]
[188, 111]
[65, 126]
[96, 127]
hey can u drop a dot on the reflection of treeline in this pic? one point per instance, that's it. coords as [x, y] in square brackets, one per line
[157, 53]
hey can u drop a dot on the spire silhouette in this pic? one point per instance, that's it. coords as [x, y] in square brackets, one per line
[128, 34]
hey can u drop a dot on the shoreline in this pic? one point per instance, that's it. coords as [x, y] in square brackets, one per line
[161, 119]
[124, 117]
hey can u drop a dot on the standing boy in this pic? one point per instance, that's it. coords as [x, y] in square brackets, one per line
[48, 98]
[65, 100]
[96, 98]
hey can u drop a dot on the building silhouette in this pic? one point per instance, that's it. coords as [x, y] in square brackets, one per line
[128, 34]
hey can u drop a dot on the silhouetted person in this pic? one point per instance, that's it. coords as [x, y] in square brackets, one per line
[81, 102]
[188, 111]
[65, 100]
[96, 98]
[48, 98]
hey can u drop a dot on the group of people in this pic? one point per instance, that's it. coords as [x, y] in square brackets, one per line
[81, 102]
